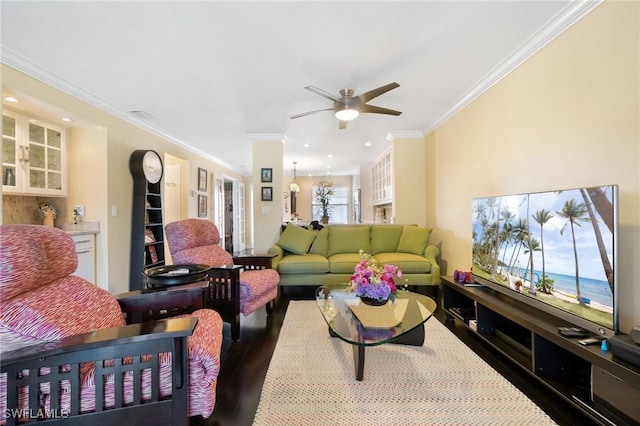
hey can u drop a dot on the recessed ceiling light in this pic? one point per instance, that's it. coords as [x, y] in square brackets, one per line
[306, 145]
[330, 155]
[367, 144]
[67, 119]
[328, 167]
[11, 99]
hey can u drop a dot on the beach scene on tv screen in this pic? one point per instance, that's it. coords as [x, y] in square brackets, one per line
[556, 247]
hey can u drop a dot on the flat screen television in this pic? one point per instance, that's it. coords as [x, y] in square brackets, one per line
[553, 250]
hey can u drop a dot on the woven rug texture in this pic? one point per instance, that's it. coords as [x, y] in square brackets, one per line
[311, 381]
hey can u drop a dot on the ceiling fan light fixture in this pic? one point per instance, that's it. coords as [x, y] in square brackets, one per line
[347, 114]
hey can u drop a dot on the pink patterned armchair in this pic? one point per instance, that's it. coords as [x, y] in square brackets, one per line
[237, 284]
[69, 354]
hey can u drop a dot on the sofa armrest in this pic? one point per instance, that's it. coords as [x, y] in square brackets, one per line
[279, 254]
[431, 253]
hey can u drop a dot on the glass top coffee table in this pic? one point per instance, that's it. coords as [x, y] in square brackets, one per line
[360, 325]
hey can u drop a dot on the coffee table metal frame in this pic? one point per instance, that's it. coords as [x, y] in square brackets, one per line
[334, 301]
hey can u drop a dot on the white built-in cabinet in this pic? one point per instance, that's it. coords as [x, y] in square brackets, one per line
[381, 179]
[34, 156]
[86, 251]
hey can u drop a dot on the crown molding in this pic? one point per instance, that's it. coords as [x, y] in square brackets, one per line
[36, 71]
[559, 23]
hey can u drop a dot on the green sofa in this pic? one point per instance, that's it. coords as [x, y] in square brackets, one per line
[305, 257]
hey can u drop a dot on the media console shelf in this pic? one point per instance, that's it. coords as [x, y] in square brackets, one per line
[605, 388]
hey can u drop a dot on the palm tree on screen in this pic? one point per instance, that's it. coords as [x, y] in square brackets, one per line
[542, 217]
[575, 213]
[607, 208]
[531, 245]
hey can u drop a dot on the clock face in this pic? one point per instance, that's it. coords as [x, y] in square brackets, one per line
[152, 167]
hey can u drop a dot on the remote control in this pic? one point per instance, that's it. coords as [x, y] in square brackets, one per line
[573, 332]
[590, 341]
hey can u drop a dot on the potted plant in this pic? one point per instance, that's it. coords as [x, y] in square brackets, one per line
[324, 192]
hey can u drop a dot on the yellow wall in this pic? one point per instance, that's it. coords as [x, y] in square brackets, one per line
[111, 174]
[568, 117]
[267, 215]
[87, 152]
[409, 178]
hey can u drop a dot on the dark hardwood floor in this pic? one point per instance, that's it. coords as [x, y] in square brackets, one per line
[245, 364]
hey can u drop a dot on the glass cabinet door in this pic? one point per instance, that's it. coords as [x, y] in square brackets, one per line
[45, 157]
[9, 152]
[33, 156]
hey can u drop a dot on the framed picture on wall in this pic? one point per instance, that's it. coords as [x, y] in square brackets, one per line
[202, 179]
[267, 193]
[202, 205]
[266, 175]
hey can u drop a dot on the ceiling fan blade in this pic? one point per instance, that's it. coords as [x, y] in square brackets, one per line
[310, 112]
[343, 125]
[322, 93]
[367, 96]
[378, 110]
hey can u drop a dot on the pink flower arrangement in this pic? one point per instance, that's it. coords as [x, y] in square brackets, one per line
[373, 280]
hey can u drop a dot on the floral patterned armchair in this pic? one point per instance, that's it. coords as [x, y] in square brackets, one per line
[68, 353]
[236, 284]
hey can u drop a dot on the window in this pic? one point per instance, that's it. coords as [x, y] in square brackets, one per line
[339, 205]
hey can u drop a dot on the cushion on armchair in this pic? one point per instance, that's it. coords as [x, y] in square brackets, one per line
[196, 238]
[39, 292]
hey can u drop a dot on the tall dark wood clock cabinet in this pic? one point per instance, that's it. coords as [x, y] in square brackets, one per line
[147, 232]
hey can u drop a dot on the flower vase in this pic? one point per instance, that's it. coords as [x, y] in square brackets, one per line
[325, 220]
[373, 302]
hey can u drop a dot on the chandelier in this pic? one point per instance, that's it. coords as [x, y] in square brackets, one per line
[294, 187]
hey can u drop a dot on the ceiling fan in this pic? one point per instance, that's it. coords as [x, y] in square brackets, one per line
[347, 107]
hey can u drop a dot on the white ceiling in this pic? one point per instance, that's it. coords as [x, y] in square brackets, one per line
[212, 73]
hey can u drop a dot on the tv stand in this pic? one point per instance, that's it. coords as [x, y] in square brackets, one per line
[578, 374]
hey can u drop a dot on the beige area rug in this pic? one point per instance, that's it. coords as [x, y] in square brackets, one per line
[311, 381]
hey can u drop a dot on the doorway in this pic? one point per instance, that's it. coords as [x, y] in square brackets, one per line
[172, 194]
[229, 213]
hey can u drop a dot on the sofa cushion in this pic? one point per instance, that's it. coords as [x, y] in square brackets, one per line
[414, 240]
[385, 238]
[408, 263]
[321, 244]
[303, 264]
[296, 239]
[349, 239]
[343, 263]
